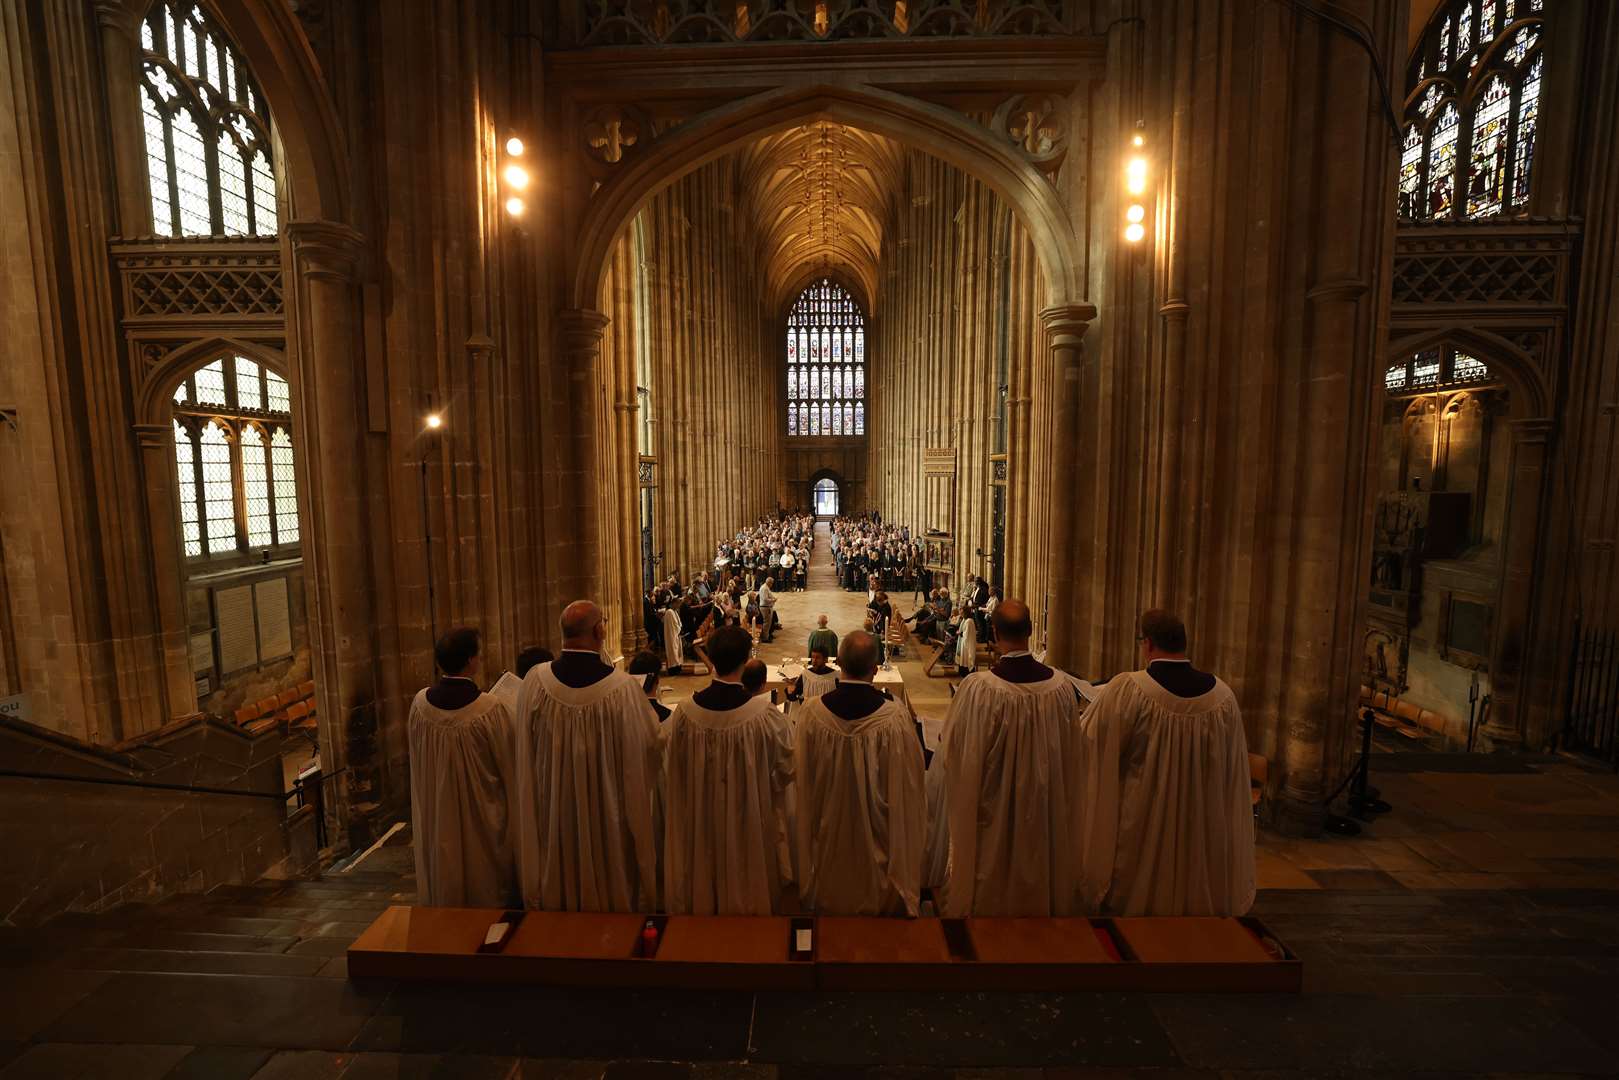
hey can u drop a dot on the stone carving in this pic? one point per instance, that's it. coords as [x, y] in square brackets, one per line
[1492, 277]
[610, 130]
[688, 22]
[648, 471]
[1036, 125]
[201, 280]
[153, 354]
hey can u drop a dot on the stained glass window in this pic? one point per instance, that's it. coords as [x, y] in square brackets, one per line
[1475, 99]
[208, 156]
[233, 459]
[1434, 368]
[826, 362]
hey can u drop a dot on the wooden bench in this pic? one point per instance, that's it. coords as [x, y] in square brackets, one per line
[1205, 955]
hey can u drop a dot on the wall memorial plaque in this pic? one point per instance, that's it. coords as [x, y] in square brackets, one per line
[238, 638]
[275, 628]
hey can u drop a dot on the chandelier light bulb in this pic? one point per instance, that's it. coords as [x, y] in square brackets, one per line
[1134, 232]
[1135, 213]
[514, 146]
[516, 176]
[514, 206]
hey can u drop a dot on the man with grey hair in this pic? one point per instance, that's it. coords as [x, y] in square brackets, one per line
[862, 807]
[824, 638]
[589, 754]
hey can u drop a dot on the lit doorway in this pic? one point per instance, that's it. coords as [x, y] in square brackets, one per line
[826, 497]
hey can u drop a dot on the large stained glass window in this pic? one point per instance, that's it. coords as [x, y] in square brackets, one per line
[1471, 112]
[208, 157]
[826, 363]
[1433, 368]
[233, 459]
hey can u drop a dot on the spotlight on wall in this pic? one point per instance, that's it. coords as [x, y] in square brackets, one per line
[514, 146]
[516, 176]
[434, 421]
[1135, 182]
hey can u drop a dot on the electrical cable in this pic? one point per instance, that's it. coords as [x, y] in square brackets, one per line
[1362, 37]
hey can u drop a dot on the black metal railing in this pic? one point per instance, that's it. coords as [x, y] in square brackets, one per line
[1591, 716]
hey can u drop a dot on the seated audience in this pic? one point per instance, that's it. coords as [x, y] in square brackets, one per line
[1006, 799]
[1166, 826]
[862, 809]
[589, 754]
[727, 820]
[460, 776]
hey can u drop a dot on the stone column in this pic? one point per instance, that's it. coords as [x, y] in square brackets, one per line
[168, 565]
[1065, 328]
[121, 60]
[581, 351]
[336, 504]
[1514, 609]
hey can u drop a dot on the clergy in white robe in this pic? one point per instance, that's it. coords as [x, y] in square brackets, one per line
[967, 643]
[862, 812]
[674, 646]
[728, 768]
[1007, 795]
[1168, 825]
[818, 678]
[589, 754]
[460, 774]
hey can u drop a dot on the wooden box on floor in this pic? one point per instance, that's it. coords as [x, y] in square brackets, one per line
[738, 953]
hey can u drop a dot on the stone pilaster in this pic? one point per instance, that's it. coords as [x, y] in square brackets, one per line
[1065, 328]
[581, 332]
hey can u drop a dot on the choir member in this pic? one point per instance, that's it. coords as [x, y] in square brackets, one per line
[460, 774]
[862, 808]
[1167, 825]
[1006, 798]
[589, 755]
[727, 846]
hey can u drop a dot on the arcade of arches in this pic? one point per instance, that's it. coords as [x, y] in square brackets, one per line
[296, 373]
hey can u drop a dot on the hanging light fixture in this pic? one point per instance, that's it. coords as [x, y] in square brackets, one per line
[1135, 184]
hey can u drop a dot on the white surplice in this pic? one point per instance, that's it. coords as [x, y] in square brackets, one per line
[967, 643]
[1168, 827]
[727, 837]
[814, 685]
[588, 763]
[461, 769]
[1006, 800]
[674, 647]
[862, 811]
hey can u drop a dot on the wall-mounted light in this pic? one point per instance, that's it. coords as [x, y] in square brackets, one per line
[515, 177]
[515, 207]
[514, 146]
[434, 421]
[1135, 182]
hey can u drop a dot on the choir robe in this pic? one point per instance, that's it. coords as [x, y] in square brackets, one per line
[461, 768]
[727, 837]
[815, 683]
[1004, 798]
[1168, 824]
[674, 647]
[967, 643]
[588, 762]
[862, 810]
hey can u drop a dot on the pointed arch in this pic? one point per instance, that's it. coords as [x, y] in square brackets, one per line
[1515, 367]
[155, 398]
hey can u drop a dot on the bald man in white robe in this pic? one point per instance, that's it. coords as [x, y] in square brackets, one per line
[1168, 824]
[862, 810]
[1005, 785]
[728, 770]
[589, 755]
[461, 770]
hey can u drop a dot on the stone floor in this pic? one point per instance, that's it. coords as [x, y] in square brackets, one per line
[1474, 931]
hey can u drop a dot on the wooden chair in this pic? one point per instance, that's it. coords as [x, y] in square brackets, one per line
[299, 717]
[247, 714]
[285, 698]
[306, 689]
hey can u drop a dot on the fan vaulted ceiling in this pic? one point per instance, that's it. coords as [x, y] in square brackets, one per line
[821, 193]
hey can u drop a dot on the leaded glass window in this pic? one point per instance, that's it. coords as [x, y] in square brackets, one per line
[826, 363]
[233, 459]
[1430, 369]
[208, 152]
[1475, 97]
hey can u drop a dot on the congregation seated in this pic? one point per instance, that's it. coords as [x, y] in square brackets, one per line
[1166, 824]
[862, 808]
[461, 770]
[866, 552]
[1046, 797]
[589, 752]
[727, 770]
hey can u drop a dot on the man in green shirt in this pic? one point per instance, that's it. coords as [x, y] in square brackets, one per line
[823, 640]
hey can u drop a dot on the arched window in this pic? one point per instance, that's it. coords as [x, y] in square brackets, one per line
[233, 459]
[826, 497]
[826, 363]
[208, 155]
[1474, 100]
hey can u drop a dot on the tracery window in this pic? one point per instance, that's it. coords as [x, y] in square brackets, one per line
[826, 363]
[208, 156]
[233, 459]
[1471, 113]
[1429, 369]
